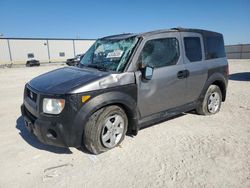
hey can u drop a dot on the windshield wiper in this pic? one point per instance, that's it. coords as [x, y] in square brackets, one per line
[101, 68]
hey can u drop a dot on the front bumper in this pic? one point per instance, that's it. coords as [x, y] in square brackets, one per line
[58, 130]
[47, 132]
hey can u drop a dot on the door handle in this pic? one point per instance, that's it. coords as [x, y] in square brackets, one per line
[186, 73]
[183, 74]
[180, 75]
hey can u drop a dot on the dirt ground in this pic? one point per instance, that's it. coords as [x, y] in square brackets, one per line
[187, 151]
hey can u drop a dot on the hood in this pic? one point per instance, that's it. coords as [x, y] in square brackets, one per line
[63, 80]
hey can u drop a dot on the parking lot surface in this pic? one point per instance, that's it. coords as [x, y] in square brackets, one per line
[186, 151]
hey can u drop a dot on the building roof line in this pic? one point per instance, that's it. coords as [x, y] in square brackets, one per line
[31, 38]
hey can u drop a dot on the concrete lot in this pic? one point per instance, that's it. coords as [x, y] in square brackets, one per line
[188, 151]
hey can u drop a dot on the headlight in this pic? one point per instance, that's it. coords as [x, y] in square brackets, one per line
[53, 106]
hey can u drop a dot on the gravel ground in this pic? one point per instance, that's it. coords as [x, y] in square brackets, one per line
[187, 151]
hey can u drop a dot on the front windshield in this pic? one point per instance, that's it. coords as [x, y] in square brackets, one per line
[109, 54]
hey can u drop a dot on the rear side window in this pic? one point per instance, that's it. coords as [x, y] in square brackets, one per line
[160, 52]
[193, 48]
[214, 47]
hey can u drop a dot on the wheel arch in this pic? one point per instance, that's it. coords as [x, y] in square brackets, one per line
[215, 79]
[132, 117]
[222, 87]
[126, 102]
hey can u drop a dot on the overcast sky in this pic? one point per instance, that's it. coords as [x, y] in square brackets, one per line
[93, 19]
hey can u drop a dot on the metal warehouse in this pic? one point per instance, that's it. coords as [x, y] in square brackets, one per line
[19, 50]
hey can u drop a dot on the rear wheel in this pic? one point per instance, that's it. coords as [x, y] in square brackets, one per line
[105, 129]
[212, 101]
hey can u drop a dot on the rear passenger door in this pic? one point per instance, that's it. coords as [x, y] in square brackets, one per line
[194, 57]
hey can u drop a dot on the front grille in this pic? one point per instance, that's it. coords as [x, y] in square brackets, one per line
[32, 95]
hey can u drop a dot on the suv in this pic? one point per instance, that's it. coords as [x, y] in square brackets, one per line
[74, 61]
[126, 82]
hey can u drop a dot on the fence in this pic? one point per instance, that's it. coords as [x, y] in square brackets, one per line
[239, 51]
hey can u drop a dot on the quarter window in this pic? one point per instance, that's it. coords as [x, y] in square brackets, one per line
[160, 52]
[214, 47]
[193, 48]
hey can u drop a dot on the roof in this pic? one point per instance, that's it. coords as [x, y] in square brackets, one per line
[201, 31]
[179, 29]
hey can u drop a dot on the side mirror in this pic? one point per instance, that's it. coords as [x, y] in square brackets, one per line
[147, 73]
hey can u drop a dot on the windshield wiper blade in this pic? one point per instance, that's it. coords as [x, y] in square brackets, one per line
[96, 67]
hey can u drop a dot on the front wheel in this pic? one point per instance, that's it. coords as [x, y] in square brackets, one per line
[212, 101]
[105, 129]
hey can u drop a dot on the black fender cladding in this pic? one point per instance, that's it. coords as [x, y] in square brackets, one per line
[124, 96]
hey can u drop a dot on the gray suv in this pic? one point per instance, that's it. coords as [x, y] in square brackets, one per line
[126, 82]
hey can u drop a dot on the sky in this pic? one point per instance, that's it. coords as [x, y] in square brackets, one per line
[91, 19]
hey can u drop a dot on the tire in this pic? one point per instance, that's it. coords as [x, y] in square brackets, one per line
[105, 129]
[212, 101]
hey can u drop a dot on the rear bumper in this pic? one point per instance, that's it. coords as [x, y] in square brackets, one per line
[47, 132]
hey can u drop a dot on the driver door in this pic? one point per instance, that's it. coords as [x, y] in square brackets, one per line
[167, 87]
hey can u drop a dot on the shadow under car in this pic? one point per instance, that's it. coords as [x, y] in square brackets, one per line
[241, 76]
[33, 141]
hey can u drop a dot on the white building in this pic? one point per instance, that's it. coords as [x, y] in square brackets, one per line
[19, 50]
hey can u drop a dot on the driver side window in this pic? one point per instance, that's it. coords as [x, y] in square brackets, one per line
[160, 52]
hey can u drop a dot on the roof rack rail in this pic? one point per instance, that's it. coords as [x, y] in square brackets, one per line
[177, 28]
